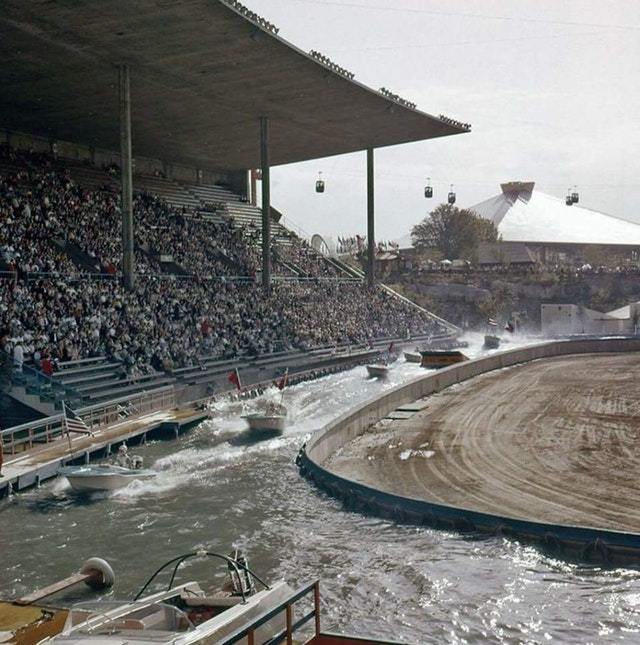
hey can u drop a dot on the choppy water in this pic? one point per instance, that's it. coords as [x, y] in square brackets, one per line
[218, 487]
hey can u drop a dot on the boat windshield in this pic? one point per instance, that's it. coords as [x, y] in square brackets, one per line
[144, 621]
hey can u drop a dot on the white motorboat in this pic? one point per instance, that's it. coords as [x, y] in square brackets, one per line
[184, 614]
[181, 615]
[378, 370]
[413, 357]
[272, 419]
[90, 478]
[102, 477]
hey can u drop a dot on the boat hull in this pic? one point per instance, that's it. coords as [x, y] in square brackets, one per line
[491, 342]
[266, 423]
[88, 479]
[437, 359]
[412, 357]
[377, 371]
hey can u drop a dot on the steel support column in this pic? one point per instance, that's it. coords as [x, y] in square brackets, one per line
[371, 235]
[266, 203]
[128, 261]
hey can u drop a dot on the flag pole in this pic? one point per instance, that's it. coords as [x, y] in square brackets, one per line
[66, 425]
[284, 384]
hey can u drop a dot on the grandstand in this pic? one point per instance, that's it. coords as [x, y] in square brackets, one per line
[78, 325]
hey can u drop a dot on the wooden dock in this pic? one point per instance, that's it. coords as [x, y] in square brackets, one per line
[29, 625]
[42, 462]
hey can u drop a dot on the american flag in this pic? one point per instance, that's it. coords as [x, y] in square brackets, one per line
[73, 422]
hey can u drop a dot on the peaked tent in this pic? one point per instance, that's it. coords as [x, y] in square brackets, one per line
[523, 214]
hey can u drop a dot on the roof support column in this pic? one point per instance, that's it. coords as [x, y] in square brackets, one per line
[266, 203]
[128, 261]
[371, 235]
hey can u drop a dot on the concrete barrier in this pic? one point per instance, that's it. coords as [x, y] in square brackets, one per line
[592, 544]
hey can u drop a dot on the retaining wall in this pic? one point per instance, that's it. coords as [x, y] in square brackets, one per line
[584, 543]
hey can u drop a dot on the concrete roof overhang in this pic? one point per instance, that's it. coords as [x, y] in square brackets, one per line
[202, 74]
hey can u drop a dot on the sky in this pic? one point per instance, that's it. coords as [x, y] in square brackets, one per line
[550, 88]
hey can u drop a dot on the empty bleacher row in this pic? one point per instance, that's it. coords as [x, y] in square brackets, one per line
[84, 382]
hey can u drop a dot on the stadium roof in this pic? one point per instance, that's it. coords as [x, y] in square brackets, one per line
[202, 73]
[523, 214]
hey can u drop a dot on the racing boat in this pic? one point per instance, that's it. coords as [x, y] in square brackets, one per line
[102, 477]
[413, 357]
[378, 370]
[272, 419]
[491, 342]
[90, 478]
[438, 358]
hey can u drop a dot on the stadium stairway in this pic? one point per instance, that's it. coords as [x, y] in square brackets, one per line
[170, 267]
[81, 259]
[172, 192]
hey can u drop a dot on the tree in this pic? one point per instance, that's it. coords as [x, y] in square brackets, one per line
[455, 232]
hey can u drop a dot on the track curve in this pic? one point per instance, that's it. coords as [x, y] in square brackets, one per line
[555, 441]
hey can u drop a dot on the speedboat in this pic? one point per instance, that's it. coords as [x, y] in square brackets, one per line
[184, 614]
[272, 419]
[491, 342]
[438, 358]
[378, 370]
[103, 477]
[181, 614]
[412, 357]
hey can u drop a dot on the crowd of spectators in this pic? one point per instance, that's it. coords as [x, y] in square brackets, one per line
[55, 310]
[42, 209]
[170, 323]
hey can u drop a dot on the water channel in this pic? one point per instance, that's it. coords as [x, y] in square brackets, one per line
[220, 488]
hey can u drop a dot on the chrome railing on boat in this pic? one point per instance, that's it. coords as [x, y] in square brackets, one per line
[248, 631]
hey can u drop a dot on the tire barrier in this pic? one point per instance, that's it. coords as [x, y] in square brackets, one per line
[582, 544]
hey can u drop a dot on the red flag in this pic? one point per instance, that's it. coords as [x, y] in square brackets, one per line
[234, 378]
[282, 381]
[390, 350]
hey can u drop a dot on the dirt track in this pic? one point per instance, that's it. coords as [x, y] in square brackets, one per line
[556, 440]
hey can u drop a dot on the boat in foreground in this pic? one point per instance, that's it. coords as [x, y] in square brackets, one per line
[183, 614]
[438, 358]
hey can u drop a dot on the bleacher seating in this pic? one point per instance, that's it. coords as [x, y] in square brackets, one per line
[69, 223]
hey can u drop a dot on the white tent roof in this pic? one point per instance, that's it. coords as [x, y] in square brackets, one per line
[523, 214]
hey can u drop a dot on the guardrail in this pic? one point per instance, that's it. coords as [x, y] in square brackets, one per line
[24, 436]
[581, 542]
[32, 276]
[9, 275]
[291, 627]
[189, 277]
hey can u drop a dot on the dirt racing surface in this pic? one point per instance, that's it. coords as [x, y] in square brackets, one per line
[556, 440]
